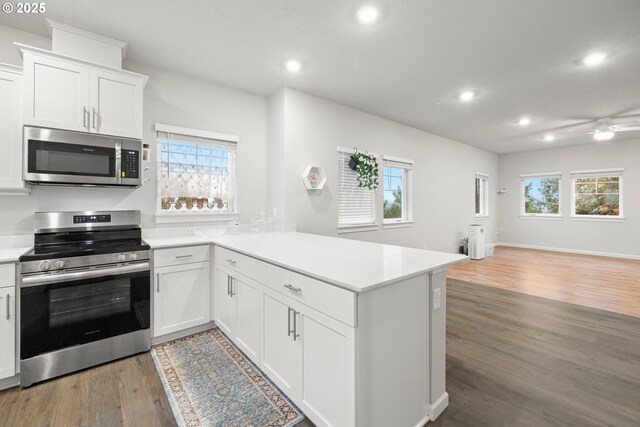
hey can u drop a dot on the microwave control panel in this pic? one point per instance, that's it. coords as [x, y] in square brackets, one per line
[130, 166]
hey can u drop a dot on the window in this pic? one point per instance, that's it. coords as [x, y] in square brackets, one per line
[396, 180]
[540, 194]
[482, 195]
[597, 194]
[196, 172]
[356, 206]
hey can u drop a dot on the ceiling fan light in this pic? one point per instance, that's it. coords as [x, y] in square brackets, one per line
[603, 135]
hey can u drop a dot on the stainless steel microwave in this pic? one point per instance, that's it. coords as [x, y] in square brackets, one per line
[58, 157]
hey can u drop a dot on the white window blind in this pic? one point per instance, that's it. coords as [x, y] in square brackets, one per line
[196, 174]
[356, 206]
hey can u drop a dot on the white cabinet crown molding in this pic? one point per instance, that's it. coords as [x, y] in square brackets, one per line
[22, 48]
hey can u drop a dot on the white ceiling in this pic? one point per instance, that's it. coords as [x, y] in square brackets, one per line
[522, 56]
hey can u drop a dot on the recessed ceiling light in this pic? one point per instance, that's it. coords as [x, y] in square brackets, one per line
[549, 138]
[603, 135]
[293, 65]
[524, 121]
[467, 96]
[594, 59]
[367, 14]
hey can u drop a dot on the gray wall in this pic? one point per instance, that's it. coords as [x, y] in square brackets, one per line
[589, 236]
[443, 172]
[169, 98]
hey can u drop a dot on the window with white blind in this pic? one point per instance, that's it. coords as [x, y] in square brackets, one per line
[482, 195]
[196, 172]
[396, 204]
[597, 194]
[356, 206]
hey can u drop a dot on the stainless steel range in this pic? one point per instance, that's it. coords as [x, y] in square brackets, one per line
[84, 293]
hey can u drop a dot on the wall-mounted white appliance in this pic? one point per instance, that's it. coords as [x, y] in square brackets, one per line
[476, 241]
[58, 157]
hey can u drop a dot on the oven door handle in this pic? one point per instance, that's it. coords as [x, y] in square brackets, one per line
[46, 279]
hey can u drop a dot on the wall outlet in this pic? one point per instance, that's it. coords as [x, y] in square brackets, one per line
[436, 299]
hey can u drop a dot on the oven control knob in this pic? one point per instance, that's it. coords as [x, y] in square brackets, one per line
[45, 265]
[122, 257]
[59, 263]
[133, 256]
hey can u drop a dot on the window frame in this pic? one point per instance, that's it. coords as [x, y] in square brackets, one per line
[407, 192]
[162, 216]
[484, 195]
[594, 173]
[524, 214]
[356, 228]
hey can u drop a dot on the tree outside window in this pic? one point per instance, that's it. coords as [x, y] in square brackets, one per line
[541, 195]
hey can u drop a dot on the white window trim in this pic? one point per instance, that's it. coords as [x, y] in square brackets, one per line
[523, 214]
[485, 196]
[407, 221]
[359, 228]
[595, 172]
[181, 217]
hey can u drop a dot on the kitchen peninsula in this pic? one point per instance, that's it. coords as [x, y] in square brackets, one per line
[353, 332]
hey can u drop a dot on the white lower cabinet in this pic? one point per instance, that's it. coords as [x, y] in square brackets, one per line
[181, 297]
[279, 350]
[7, 321]
[311, 357]
[237, 309]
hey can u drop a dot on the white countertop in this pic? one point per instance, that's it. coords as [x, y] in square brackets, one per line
[12, 254]
[350, 264]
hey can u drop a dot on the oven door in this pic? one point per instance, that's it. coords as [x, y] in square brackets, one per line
[63, 157]
[68, 309]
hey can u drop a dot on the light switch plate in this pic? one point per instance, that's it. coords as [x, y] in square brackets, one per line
[436, 299]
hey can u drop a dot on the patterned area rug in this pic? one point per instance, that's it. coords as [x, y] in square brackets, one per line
[209, 382]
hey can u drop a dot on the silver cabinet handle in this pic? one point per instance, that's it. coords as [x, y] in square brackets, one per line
[85, 116]
[230, 261]
[289, 330]
[232, 294]
[8, 307]
[293, 288]
[183, 256]
[228, 285]
[95, 119]
[158, 282]
[295, 325]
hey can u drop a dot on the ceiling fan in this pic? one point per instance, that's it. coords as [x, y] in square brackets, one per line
[605, 130]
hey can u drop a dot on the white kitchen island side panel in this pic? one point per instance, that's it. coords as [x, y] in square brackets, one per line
[392, 357]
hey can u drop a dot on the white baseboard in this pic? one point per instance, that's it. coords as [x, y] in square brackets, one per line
[10, 382]
[571, 251]
[438, 405]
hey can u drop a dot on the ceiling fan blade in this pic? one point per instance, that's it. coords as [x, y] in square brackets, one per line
[628, 129]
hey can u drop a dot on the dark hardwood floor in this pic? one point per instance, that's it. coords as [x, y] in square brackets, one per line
[512, 360]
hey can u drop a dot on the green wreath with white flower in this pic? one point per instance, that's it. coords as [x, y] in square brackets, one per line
[366, 166]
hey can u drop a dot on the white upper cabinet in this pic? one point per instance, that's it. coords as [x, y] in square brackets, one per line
[116, 104]
[56, 93]
[63, 93]
[11, 130]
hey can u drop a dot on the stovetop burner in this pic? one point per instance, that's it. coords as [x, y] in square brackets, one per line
[65, 240]
[84, 249]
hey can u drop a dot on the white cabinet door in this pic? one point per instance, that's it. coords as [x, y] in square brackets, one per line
[56, 93]
[278, 349]
[326, 358]
[116, 104]
[7, 332]
[226, 303]
[11, 131]
[181, 298]
[247, 332]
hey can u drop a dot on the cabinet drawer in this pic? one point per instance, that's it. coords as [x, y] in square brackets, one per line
[7, 275]
[328, 299]
[182, 255]
[236, 261]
